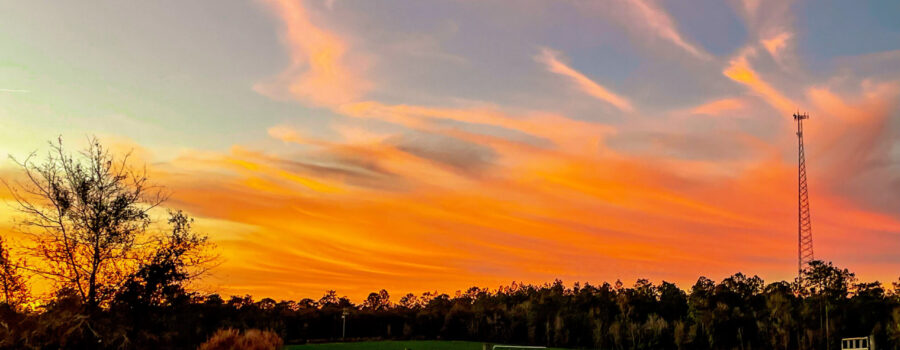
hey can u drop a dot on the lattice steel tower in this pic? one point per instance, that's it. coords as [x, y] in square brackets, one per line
[804, 224]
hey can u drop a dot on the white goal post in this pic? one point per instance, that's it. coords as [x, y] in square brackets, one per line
[860, 343]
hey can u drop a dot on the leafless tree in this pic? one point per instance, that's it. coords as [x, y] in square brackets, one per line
[87, 214]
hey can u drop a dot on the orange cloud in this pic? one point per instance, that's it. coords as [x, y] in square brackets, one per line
[776, 43]
[718, 107]
[319, 71]
[551, 59]
[739, 70]
[354, 134]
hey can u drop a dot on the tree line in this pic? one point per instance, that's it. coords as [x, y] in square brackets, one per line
[121, 282]
[740, 312]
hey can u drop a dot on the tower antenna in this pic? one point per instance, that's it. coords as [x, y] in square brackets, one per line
[804, 223]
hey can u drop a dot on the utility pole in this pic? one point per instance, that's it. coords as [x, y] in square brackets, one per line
[344, 324]
[827, 342]
[804, 223]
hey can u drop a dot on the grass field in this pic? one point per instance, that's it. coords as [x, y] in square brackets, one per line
[393, 345]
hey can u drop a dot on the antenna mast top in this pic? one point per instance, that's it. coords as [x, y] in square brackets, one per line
[799, 118]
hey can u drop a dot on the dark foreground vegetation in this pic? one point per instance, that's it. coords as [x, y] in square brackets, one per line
[122, 284]
[396, 345]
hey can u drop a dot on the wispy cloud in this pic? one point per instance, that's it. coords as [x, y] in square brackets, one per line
[658, 22]
[566, 133]
[770, 26]
[319, 72]
[739, 70]
[551, 59]
[776, 44]
[718, 107]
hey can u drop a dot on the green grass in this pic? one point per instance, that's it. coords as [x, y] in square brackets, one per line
[393, 345]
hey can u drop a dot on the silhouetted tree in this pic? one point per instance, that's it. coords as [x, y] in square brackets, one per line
[409, 301]
[780, 324]
[826, 287]
[377, 301]
[13, 289]
[177, 257]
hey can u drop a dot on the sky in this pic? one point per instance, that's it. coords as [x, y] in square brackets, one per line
[438, 145]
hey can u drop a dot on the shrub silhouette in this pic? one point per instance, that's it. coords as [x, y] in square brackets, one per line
[252, 339]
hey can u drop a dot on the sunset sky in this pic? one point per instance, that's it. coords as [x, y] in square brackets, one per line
[437, 145]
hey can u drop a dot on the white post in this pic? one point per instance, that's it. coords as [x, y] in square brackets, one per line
[344, 324]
